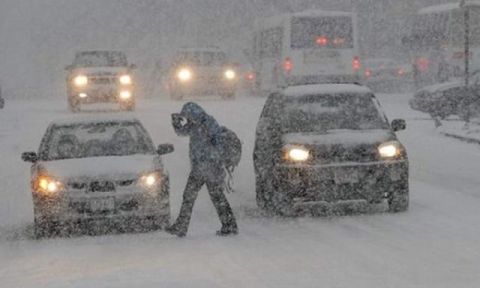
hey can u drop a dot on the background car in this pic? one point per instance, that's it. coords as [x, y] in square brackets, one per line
[202, 72]
[2, 101]
[104, 170]
[387, 74]
[320, 147]
[100, 77]
[449, 98]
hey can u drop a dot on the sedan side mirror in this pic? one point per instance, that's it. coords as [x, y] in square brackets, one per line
[165, 149]
[399, 125]
[30, 157]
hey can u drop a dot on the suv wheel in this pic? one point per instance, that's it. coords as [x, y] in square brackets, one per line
[128, 107]
[260, 189]
[73, 105]
[398, 200]
[44, 228]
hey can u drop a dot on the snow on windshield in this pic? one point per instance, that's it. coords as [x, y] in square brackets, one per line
[321, 113]
[95, 140]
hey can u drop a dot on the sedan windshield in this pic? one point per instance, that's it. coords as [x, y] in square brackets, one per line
[96, 140]
[322, 113]
[100, 59]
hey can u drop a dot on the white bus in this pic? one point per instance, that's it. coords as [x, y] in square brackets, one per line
[437, 42]
[306, 48]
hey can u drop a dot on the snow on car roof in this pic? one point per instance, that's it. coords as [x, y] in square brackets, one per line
[88, 119]
[298, 91]
[442, 86]
[446, 7]
[313, 13]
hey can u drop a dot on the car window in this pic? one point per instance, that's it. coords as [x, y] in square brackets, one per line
[323, 113]
[96, 140]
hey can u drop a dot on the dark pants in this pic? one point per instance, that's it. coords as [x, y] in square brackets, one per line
[216, 191]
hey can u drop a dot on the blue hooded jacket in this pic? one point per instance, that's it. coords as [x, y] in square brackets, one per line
[202, 128]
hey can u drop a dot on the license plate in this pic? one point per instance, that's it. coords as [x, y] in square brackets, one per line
[321, 55]
[102, 204]
[346, 177]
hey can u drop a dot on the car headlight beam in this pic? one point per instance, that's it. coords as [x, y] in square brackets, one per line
[297, 154]
[80, 81]
[125, 95]
[48, 185]
[230, 74]
[150, 180]
[389, 150]
[125, 79]
[184, 75]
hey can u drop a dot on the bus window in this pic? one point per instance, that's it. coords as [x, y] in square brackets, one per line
[458, 28]
[431, 30]
[271, 43]
[334, 32]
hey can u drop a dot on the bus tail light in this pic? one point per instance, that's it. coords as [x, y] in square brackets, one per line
[288, 65]
[356, 63]
[422, 64]
[322, 41]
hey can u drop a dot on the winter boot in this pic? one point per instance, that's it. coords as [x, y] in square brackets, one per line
[175, 230]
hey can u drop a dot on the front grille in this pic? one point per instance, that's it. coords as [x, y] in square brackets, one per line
[102, 186]
[101, 80]
[340, 153]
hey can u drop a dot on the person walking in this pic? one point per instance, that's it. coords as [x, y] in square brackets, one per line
[207, 168]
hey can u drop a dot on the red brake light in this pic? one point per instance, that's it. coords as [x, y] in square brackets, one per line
[368, 73]
[251, 76]
[322, 41]
[422, 64]
[356, 63]
[401, 72]
[287, 65]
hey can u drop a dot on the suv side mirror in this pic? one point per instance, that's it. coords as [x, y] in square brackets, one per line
[69, 67]
[399, 125]
[30, 157]
[133, 66]
[165, 149]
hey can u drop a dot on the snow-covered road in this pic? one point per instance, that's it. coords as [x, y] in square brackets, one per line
[435, 244]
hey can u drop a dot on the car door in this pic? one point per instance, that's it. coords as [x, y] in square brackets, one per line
[267, 134]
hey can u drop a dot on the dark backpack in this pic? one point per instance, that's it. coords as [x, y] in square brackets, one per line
[230, 148]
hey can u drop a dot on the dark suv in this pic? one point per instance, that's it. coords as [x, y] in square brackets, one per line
[323, 147]
[100, 77]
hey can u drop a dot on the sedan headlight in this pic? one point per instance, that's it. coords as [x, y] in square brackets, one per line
[125, 95]
[297, 154]
[184, 75]
[48, 185]
[150, 180]
[230, 74]
[390, 149]
[125, 79]
[80, 80]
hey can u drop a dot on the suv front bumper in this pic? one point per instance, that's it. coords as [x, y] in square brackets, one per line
[339, 183]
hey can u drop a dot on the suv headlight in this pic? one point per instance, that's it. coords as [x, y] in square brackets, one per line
[389, 150]
[80, 80]
[297, 153]
[151, 180]
[125, 79]
[230, 74]
[47, 185]
[184, 75]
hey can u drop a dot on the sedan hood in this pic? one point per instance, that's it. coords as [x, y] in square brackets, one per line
[101, 167]
[342, 137]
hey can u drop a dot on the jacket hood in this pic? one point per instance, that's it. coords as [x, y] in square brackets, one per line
[194, 112]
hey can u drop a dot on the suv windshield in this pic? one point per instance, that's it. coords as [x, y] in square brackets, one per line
[100, 59]
[321, 113]
[96, 140]
[202, 58]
